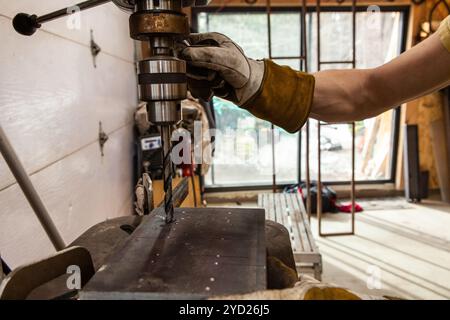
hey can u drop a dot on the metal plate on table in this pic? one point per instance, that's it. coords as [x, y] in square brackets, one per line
[205, 252]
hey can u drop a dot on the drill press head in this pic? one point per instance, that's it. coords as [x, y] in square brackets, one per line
[162, 77]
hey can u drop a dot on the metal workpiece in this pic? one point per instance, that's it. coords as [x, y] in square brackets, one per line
[205, 252]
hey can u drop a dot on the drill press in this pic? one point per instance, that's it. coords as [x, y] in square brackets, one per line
[207, 251]
[161, 77]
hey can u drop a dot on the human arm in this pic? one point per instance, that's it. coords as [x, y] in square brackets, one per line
[218, 66]
[287, 97]
[350, 95]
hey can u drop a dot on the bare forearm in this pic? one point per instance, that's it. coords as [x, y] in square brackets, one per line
[419, 71]
[342, 95]
[350, 95]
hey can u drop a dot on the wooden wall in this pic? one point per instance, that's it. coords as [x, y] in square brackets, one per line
[415, 112]
[51, 101]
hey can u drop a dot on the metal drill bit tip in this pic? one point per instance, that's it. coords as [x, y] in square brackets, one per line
[169, 219]
[167, 173]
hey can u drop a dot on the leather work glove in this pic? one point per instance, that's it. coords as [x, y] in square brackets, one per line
[307, 288]
[217, 66]
[281, 269]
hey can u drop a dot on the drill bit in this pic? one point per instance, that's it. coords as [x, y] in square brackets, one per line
[167, 172]
[162, 76]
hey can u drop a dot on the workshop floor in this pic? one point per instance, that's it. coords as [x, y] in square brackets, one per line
[400, 249]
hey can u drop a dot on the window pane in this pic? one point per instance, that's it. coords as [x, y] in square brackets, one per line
[335, 147]
[285, 34]
[336, 36]
[244, 148]
[249, 30]
[311, 41]
[335, 39]
[286, 159]
[378, 40]
[293, 63]
[336, 66]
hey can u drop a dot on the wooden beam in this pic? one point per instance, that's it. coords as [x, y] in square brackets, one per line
[312, 3]
[412, 112]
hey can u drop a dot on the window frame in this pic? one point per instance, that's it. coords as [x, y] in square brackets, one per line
[403, 9]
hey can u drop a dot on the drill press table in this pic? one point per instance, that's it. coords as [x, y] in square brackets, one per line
[205, 252]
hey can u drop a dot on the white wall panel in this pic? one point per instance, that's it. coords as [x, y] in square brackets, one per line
[51, 101]
[79, 191]
[52, 98]
[109, 23]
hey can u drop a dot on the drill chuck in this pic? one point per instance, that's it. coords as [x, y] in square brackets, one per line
[169, 68]
[162, 77]
[162, 83]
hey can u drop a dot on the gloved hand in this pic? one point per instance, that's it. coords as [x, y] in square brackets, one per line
[307, 288]
[218, 66]
[281, 269]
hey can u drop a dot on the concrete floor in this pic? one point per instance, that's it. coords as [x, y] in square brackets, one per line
[399, 249]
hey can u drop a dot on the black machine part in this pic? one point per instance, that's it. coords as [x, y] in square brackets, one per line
[411, 164]
[27, 24]
[206, 252]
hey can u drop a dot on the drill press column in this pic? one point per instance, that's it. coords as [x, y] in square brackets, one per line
[162, 77]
